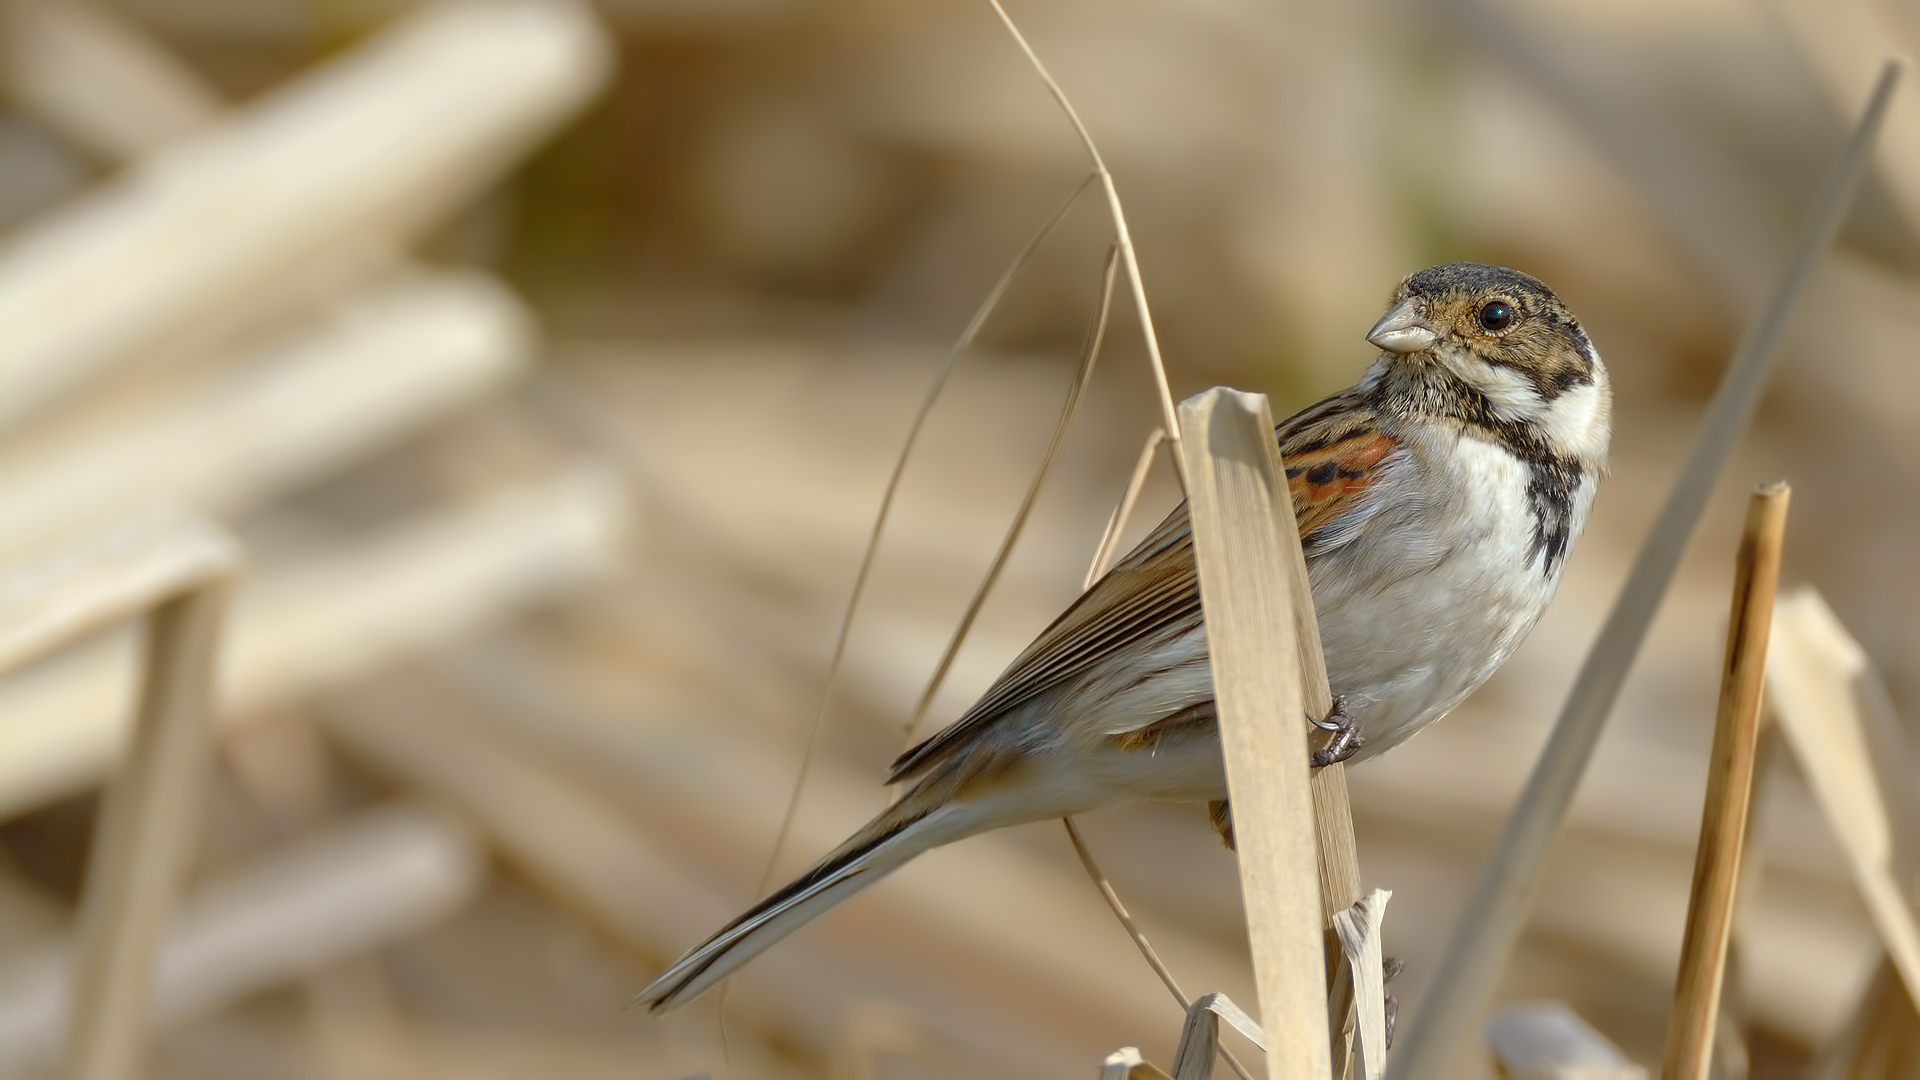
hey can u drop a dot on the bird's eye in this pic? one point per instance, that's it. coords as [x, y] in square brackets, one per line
[1496, 316]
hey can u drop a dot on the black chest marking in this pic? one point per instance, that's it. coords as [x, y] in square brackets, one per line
[1551, 485]
[1552, 480]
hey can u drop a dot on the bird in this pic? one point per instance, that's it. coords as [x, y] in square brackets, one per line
[1437, 501]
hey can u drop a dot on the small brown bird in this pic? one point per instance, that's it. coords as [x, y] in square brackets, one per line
[1437, 501]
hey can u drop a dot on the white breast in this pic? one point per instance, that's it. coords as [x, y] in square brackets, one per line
[1423, 608]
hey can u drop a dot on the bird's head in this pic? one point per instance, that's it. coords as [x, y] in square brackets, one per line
[1488, 345]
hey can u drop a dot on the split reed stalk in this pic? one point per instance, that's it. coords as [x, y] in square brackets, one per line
[1241, 527]
[1338, 855]
[1723, 821]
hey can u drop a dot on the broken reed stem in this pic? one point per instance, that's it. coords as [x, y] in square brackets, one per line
[1832, 707]
[1121, 237]
[1096, 335]
[1496, 912]
[1103, 556]
[1723, 822]
[861, 576]
[1338, 852]
[1241, 526]
[1147, 951]
[140, 846]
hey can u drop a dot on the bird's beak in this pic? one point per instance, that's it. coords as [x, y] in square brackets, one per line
[1402, 330]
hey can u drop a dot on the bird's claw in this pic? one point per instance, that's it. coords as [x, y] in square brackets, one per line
[1391, 966]
[1346, 735]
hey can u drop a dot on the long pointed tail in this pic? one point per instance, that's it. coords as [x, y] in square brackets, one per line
[903, 831]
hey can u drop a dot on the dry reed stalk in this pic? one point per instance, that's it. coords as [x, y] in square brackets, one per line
[306, 185]
[1360, 944]
[98, 80]
[106, 578]
[174, 570]
[1241, 527]
[141, 843]
[385, 364]
[1732, 1052]
[1338, 854]
[1338, 857]
[1854, 752]
[1496, 912]
[304, 626]
[1200, 1036]
[378, 877]
[1730, 773]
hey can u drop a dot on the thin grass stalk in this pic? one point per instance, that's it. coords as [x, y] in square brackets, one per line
[1241, 525]
[1139, 936]
[1496, 913]
[867, 559]
[1121, 237]
[141, 845]
[1096, 335]
[1123, 510]
[1730, 771]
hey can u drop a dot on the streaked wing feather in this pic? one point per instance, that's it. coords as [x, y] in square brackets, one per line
[1334, 456]
[1153, 585]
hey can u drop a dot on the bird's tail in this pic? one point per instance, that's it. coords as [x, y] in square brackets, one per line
[901, 832]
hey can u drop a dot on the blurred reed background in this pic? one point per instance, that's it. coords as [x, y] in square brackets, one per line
[549, 361]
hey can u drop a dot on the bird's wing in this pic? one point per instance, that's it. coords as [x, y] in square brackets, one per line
[1334, 456]
[1337, 460]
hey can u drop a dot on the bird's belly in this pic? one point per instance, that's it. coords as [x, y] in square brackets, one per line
[1414, 618]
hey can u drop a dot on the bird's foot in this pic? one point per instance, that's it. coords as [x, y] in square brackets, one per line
[1346, 734]
[1391, 966]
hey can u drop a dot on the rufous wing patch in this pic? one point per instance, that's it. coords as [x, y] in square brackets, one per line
[1327, 481]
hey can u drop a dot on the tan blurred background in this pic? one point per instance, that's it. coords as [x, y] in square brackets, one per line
[550, 361]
